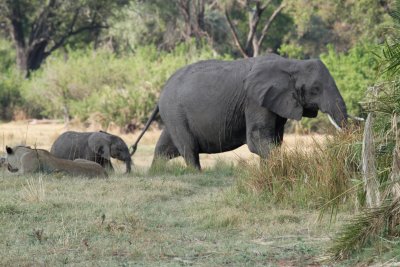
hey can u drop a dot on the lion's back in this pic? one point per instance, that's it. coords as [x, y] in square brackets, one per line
[76, 168]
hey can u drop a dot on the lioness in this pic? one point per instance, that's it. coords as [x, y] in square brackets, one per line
[22, 159]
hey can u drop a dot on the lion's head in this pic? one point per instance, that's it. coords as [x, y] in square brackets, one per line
[13, 157]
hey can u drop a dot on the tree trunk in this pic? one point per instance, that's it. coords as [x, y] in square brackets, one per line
[371, 183]
[251, 47]
[33, 44]
[193, 16]
[29, 59]
[36, 55]
[256, 47]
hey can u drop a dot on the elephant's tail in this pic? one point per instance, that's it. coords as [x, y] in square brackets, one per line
[152, 117]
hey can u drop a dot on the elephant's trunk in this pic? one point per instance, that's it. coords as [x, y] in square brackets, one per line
[339, 113]
[128, 163]
[333, 104]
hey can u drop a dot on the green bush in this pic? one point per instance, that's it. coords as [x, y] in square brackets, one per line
[10, 98]
[10, 82]
[7, 56]
[291, 51]
[119, 89]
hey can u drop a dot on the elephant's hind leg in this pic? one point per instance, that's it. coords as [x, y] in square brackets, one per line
[186, 144]
[165, 148]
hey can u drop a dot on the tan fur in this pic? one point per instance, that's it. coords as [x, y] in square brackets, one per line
[26, 160]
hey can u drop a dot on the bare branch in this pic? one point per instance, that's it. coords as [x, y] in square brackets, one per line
[254, 19]
[185, 11]
[269, 22]
[36, 42]
[265, 6]
[64, 38]
[39, 27]
[235, 35]
[213, 4]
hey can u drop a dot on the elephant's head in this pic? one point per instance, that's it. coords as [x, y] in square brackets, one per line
[295, 88]
[110, 146]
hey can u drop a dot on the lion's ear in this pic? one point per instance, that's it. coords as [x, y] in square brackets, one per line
[9, 150]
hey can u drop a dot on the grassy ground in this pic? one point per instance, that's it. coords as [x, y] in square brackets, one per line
[169, 218]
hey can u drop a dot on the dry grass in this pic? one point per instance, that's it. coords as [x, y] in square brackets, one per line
[321, 174]
[33, 190]
[165, 219]
[191, 219]
[42, 134]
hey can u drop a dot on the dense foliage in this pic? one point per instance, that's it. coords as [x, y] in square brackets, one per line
[117, 89]
[113, 58]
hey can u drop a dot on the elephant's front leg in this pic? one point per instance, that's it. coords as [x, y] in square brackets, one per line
[261, 131]
[260, 141]
[109, 166]
[279, 129]
[106, 164]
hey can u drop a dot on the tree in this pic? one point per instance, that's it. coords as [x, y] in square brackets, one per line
[192, 12]
[168, 23]
[255, 38]
[39, 27]
[342, 23]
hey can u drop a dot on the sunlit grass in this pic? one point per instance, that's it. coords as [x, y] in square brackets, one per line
[325, 175]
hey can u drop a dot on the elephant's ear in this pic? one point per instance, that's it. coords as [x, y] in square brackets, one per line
[100, 144]
[9, 150]
[271, 85]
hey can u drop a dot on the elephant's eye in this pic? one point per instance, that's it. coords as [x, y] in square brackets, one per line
[314, 91]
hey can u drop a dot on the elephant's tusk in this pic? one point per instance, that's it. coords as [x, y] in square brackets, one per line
[355, 118]
[334, 123]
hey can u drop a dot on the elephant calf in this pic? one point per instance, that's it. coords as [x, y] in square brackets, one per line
[95, 146]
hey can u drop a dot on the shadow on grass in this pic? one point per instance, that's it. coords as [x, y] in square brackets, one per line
[219, 175]
[172, 168]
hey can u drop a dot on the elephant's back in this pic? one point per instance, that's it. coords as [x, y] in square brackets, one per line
[215, 72]
[71, 145]
[204, 81]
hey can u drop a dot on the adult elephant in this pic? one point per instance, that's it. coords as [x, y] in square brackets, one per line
[214, 106]
[99, 147]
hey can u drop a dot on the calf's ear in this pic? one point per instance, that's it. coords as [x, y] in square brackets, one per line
[100, 144]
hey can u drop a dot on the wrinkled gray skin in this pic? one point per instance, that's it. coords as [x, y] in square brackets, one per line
[95, 146]
[215, 106]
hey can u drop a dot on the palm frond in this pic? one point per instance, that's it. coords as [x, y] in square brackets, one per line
[364, 228]
[391, 57]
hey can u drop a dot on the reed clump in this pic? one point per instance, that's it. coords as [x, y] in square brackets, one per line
[319, 176]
